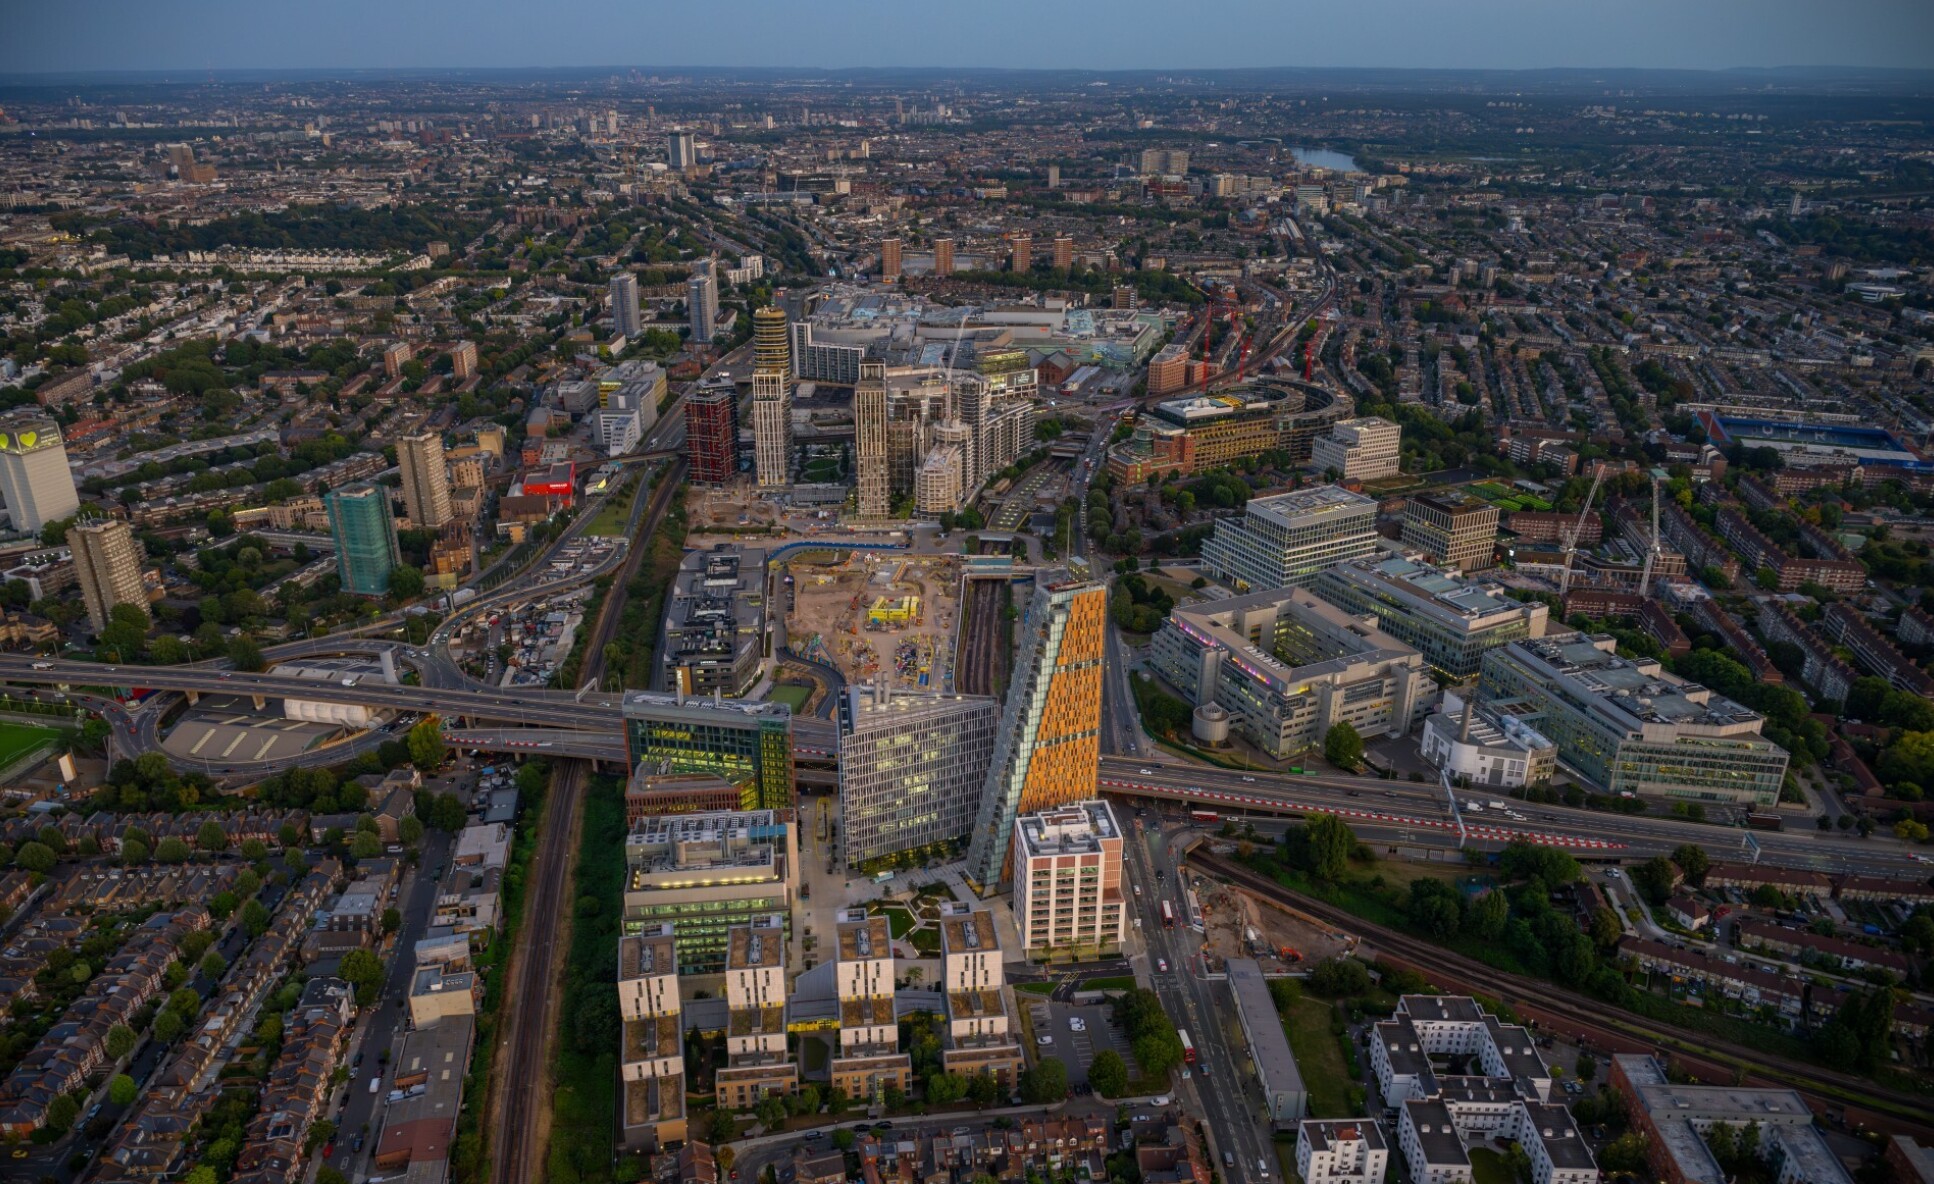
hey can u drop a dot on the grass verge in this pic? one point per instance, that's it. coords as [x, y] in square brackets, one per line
[1320, 1057]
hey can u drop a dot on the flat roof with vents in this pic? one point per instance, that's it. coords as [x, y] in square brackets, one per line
[864, 939]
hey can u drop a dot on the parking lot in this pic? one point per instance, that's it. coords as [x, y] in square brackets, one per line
[1076, 1049]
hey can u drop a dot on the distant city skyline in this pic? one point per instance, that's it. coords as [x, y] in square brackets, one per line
[203, 35]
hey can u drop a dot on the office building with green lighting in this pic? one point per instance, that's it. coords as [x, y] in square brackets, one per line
[746, 743]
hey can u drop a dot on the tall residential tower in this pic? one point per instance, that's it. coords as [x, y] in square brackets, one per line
[624, 305]
[771, 428]
[365, 534]
[869, 440]
[34, 479]
[108, 562]
[426, 480]
[771, 341]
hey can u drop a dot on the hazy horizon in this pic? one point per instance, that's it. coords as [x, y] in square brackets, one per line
[117, 36]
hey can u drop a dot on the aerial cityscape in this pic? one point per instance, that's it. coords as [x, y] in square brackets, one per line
[966, 613]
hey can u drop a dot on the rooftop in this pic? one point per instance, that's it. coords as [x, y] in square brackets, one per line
[653, 705]
[647, 956]
[1199, 409]
[1308, 507]
[863, 939]
[761, 944]
[654, 1099]
[756, 1021]
[652, 1037]
[1635, 691]
[1075, 829]
[870, 1011]
[1323, 1133]
[1433, 592]
[1268, 1045]
[1454, 502]
[1436, 1132]
[1559, 1133]
[1320, 639]
[966, 933]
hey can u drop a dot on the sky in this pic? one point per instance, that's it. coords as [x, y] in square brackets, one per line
[49, 36]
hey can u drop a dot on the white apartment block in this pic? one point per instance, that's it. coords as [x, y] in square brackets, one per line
[755, 1000]
[1341, 1151]
[1426, 1026]
[1436, 1135]
[1504, 1096]
[979, 1038]
[648, 1003]
[651, 1057]
[869, 1057]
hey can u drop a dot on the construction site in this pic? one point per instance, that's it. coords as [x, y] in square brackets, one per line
[862, 613]
[730, 509]
[1239, 924]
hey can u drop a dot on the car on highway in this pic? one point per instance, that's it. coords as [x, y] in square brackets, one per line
[1161, 964]
[1251, 780]
[1146, 772]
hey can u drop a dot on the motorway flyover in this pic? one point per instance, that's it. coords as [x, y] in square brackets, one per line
[1399, 806]
[522, 705]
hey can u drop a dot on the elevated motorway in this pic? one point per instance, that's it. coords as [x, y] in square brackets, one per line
[1394, 807]
[524, 705]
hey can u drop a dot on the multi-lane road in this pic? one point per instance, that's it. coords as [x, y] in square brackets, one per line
[1235, 1119]
[521, 704]
[1399, 808]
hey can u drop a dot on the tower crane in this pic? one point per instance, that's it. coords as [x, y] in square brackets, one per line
[1571, 537]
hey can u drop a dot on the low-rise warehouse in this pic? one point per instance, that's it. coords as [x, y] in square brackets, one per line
[1262, 1029]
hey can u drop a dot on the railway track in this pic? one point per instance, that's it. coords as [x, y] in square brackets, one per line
[978, 671]
[1585, 1014]
[523, 1070]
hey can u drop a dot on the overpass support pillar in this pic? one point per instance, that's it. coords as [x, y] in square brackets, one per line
[194, 697]
[260, 702]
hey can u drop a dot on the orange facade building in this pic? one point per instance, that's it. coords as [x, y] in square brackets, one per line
[1049, 745]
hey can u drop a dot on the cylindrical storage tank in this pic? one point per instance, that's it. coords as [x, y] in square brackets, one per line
[1211, 724]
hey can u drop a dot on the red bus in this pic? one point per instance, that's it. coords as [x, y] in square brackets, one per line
[1188, 1048]
[1205, 816]
[1168, 915]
